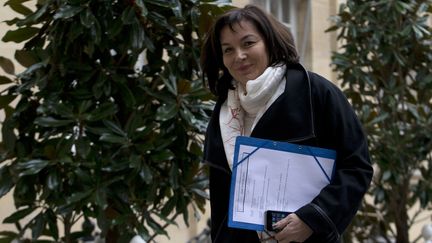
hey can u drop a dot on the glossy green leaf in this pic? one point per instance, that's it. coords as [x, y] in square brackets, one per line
[20, 35]
[111, 138]
[32, 167]
[96, 32]
[52, 122]
[103, 111]
[164, 155]
[115, 128]
[101, 198]
[34, 17]
[169, 206]
[155, 226]
[67, 11]
[18, 7]
[6, 181]
[177, 8]
[201, 193]
[160, 3]
[146, 173]
[53, 180]
[128, 15]
[166, 112]
[137, 36]
[87, 18]
[173, 176]
[38, 225]
[5, 80]
[127, 95]
[8, 135]
[7, 65]
[9, 235]
[115, 28]
[143, 9]
[51, 220]
[25, 58]
[18, 215]
[5, 100]
[78, 196]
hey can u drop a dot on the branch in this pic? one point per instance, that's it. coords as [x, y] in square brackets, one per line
[164, 226]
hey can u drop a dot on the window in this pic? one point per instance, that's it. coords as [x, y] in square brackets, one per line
[283, 10]
[295, 14]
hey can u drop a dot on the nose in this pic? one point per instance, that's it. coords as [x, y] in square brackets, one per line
[241, 55]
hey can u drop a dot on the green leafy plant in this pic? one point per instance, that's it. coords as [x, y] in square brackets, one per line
[106, 120]
[385, 64]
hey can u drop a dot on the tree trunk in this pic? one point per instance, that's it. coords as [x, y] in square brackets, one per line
[401, 213]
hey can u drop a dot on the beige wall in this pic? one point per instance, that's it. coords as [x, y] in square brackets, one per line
[6, 50]
[319, 56]
[322, 43]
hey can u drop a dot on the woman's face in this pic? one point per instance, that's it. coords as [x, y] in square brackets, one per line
[244, 51]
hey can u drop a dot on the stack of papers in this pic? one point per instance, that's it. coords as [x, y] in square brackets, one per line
[272, 175]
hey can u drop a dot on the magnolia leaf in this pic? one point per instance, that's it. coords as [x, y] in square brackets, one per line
[53, 180]
[51, 220]
[52, 122]
[5, 100]
[142, 8]
[87, 18]
[20, 35]
[78, 196]
[38, 225]
[25, 58]
[67, 11]
[32, 18]
[6, 181]
[169, 206]
[101, 198]
[201, 193]
[166, 112]
[5, 80]
[127, 95]
[32, 167]
[103, 111]
[111, 138]
[18, 7]
[115, 128]
[128, 16]
[7, 65]
[177, 8]
[18, 215]
[146, 173]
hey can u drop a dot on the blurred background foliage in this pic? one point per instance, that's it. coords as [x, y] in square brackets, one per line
[385, 65]
[105, 123]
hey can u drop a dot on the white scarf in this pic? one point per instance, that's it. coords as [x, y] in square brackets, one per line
[261, 93]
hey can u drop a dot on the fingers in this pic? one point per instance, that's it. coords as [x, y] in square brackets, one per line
[293, 229]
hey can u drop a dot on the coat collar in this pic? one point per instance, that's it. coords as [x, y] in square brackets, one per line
[289, 118]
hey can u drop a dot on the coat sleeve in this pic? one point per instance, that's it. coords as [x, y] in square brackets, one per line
[337, 127]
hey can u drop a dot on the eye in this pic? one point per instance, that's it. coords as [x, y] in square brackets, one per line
[226, 50]
[249, 43]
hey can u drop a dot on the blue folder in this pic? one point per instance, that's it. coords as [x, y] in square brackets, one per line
[252, 153]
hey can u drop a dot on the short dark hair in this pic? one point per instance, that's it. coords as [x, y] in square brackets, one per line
[277, 38]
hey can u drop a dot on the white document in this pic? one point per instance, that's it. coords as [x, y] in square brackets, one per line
[270, 175]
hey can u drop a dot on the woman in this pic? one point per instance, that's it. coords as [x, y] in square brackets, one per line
[251, 64]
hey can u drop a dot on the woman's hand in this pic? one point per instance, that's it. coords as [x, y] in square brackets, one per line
[292, 229]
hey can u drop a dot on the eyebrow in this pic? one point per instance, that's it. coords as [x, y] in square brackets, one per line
[242, 39]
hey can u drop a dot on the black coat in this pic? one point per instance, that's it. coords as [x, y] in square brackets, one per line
[311, 111]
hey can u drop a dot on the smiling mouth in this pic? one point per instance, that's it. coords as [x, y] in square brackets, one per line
[243, 68]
